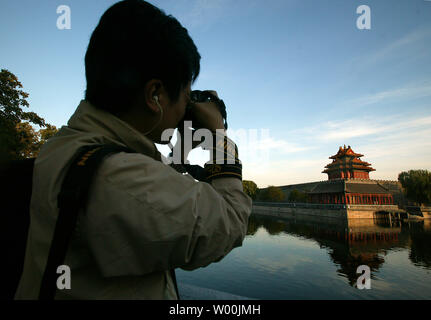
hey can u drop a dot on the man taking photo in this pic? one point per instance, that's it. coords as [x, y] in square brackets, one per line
[142, 218]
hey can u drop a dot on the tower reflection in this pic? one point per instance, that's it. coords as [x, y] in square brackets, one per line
[357, 242]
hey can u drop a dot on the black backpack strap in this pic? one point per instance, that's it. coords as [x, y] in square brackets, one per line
[71, 199]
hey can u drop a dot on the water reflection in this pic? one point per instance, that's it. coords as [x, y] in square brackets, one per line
[300, 259]
[420, 253]
[357, 242]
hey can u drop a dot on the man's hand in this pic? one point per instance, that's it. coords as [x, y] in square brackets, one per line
[203, 115]
[207, 115]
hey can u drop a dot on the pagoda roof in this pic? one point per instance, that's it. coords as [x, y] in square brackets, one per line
[341, 186]
[348, 167]
[360, 161]
[353, 162]
[354, 187]
[342, 152]
[329, 187]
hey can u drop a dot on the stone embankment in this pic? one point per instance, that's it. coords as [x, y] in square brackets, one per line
[337, 211]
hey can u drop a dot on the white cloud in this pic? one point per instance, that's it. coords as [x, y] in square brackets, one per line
[406, 93]
[397, 46]
[343, 130]
[279, 146]
[285, 172]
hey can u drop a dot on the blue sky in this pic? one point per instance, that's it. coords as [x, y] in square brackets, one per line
[298, 74]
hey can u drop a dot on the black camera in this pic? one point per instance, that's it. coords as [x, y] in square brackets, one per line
[205, 96]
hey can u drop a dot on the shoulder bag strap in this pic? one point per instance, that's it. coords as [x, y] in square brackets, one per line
[71, 199]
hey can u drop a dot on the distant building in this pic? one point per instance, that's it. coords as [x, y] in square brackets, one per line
[347, 165]
[349, 182]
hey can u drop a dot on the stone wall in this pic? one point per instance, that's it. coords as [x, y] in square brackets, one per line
[343, 212]
[292, 212]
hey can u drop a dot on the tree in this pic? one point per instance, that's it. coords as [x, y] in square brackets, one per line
[417, 185]
[12, 99]
[18, 139]
[28, 140]
[48, 132]
[250, 188]
[297, 196]
[271, 194]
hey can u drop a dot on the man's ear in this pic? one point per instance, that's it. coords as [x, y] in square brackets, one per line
[153, 88]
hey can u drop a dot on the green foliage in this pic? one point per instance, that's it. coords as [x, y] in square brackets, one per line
[297, 196]
[12, 99]
[250, 188]
[28, 140]
[48, 132]
[271, 194]
[417, 185]
[18, 139]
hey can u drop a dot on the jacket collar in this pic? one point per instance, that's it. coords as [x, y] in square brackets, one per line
[88, 118]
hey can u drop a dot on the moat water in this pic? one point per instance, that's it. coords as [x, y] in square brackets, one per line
[291, 259]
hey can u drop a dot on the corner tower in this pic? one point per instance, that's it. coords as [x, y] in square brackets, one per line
[346, 164]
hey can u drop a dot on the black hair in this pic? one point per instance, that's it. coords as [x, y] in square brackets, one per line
[133, 43]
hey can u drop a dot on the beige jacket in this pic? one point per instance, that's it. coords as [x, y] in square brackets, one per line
[142, 219]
